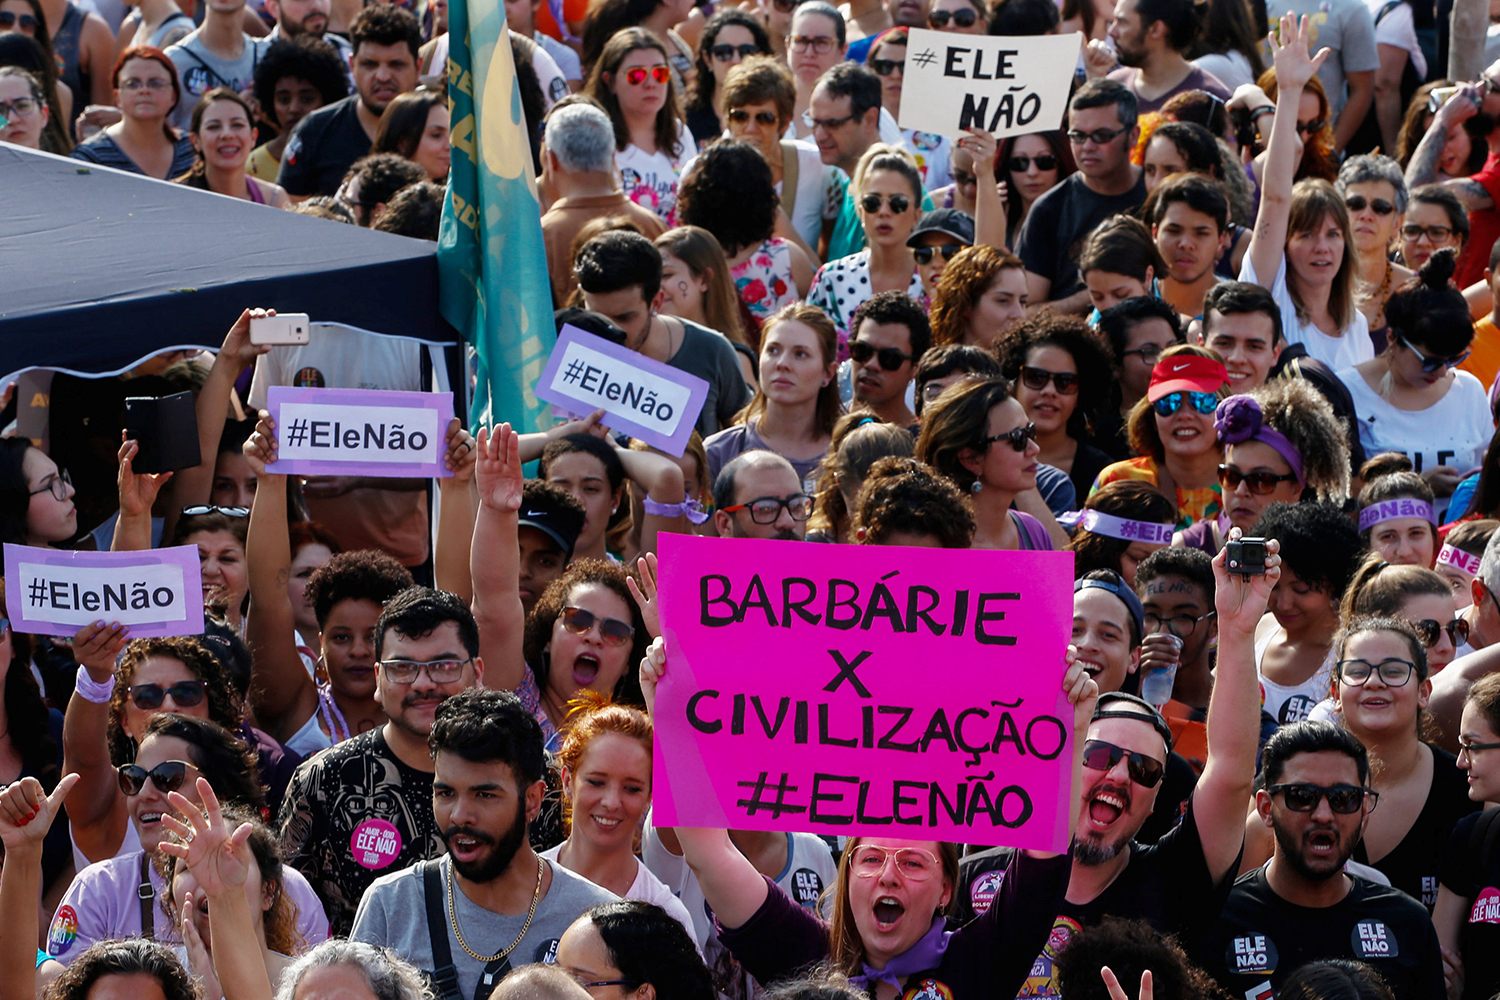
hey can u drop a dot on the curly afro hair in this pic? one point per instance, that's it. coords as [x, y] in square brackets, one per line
[1128, 947]
[1085, 345]
[366, 575]
[1305, 417]
[1318, 543]
[904, 495]
[730, 193]
[539, 625]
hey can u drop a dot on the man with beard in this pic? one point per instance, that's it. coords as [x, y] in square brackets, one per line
[1179, 884]
[361, 807]
[491, 904]
[1301, 906]
[758, 495]
[307, 21]
[1151, 37]
[1190, 226]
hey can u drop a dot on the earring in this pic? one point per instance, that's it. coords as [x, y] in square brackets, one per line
[976, 487]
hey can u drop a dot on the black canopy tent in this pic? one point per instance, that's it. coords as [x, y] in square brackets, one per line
[101, 269]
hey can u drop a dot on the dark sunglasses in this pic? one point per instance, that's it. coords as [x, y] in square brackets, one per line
[1021, 164]
[740, 117]
[1312, 127]
[885, 67]
[891, 358]
[871, 202]
[1144, 771]
[923, 255]
[1036, 379]
[1261, 483]
[962, 18]
[184, 694]
[1204, 402]
[166, 776]
[612, 630]
[1357, 203]
[1429, 629]
[1017, 436]
[724, 53]
[1432, 364]
[962, 179]
[637, 75]
[9, 19]
[1304, 798]
[785, 6]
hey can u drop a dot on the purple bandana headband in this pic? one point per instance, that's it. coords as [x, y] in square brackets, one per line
[1392, 510]
[1122, 528]
[1239, 419]
[1466, 562]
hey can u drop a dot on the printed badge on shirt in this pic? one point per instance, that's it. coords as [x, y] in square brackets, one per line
[1486, 907]
[807, 886]
[929, 989]
[1251, 954]
[63, 932]
[984, 889]
[1373, 939]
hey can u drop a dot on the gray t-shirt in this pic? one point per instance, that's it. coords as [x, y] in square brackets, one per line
[392, 914]
[709, 355]
[1345, 27]
[200, 71]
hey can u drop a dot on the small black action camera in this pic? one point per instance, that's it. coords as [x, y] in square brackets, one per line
[1246, 557]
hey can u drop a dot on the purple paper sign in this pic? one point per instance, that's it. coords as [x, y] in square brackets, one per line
[640, 396]
[359, 432]
[55, 592]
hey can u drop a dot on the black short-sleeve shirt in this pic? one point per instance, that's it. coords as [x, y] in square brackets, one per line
[322, 148]
[1475, 879]
[1414, 864]
[1056, 225]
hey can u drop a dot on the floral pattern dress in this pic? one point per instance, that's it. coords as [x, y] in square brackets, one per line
[764, 279]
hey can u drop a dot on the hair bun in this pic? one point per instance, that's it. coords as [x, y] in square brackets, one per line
[1439, 268]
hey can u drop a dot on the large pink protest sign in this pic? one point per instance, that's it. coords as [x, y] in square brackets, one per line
[905, 692]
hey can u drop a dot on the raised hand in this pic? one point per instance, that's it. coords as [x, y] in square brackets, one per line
[981, 146]
[461, 454]
[1241, 600]
[498, 469]
[199, 962]
[97, 646]
[653, 668]
[237, 346]
[260, 447]
[1082, 691]
[1291, 50]
[1117, 992]
[27, 812]
[645, 593]
[219, 858]
[1098, 59]
[137, 491]
[588, 425]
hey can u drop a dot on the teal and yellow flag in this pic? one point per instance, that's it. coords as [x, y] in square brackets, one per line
[491, 260]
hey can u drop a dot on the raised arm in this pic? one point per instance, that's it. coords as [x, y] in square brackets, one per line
[1233, 710]
[661, 478]
[989, 209]
[532, 445]
[283, 695]
[138, 493]
[495, 558]
[98, 813]
[1422, 168]
[455, 527]
[26, 814]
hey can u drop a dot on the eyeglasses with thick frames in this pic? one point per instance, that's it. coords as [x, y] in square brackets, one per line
[914, 863]
[1472, 748]
[613, 631]
[821, 44]
[166, 776]
[184, 694]
[1204, 402]
[1434, 364]
[1304, 798]
[1181, 626]
[740, 116]
[766, 510]
[885, 67]
[1434, 234]
[1099, 137]
[890, 358]
[1357, 203]
[1018, 437]
[924, 255]
[871, 202]
[1261, 483]
[1393, 672]
[1021, 164]
[724, 53]
[18, 108]
[1145, 771]
[1428, 630]
[59, 486]
[1036, 380]
[438, 671]
[826, 124]
[635, 76]
[964, 17]
[1148, 352]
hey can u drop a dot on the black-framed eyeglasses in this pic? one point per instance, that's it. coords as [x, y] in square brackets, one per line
[1181, 626]
[59, 486]
[1434, 364]
[184, 694]
[1148, 352]
[438, 671]
[821, 44]
[1144, 770]
[724, 53]
[885, 67]
[1036, 380]
[740, 116]
[766, 510]
[1473, 748]
[1021, 164]
[1099, 137]
[1304, 798]
[890, 358]
[1393, 672]
[1018, 437]
[1437, 234]
[19, 107]
[827, 124]
[207, 508]
[1204, 402]
[1357, 203]
[167, 776]
[924, 255]
[1428, 630]
[964, 17]
[871, 202]
[10, 19]
[1261, 483]
[613, 631]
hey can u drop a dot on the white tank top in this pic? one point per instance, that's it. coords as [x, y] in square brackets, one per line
[1292, 703]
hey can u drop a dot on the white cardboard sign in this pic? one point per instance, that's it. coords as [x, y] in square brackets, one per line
[1007, 86]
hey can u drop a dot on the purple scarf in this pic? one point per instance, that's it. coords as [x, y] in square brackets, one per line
[926, 954]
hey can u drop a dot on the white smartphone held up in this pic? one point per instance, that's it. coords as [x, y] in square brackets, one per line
[284, 328]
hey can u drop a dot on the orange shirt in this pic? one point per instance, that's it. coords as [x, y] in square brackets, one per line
[1483, 361]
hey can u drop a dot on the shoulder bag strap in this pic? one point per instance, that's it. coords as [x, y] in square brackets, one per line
[791, 164]
[444, 975]
[147, 893]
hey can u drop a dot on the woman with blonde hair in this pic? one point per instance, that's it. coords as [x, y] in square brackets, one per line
[696, 286]
[1302, 248]
[980, 296]
[860, 439]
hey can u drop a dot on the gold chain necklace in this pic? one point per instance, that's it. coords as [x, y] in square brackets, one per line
[536, 897]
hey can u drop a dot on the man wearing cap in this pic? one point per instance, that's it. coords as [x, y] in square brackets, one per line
[939, 235]
[1179, 884]
[547, 528]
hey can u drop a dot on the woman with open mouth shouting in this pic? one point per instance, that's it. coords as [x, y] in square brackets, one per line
[888, 932]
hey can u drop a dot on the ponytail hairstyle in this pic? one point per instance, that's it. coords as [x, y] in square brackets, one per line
[1121, 244]
[1379, 588]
